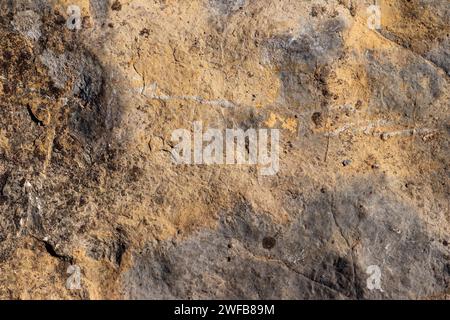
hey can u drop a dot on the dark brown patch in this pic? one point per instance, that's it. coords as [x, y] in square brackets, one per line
[116, 6]
[317, 118]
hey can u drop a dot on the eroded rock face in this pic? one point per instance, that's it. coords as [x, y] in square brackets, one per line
[87, 184]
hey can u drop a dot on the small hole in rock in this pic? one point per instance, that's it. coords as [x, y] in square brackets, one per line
[268, 243]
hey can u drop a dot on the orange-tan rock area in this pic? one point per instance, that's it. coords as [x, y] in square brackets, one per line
[93, 206]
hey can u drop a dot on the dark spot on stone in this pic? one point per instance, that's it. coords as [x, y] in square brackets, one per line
[116, 6]
[268, 243]
[358, 105]
[317, 11]
[82, 201]
[144, 33]
[317, 118]
[445, 243]
[59, 19]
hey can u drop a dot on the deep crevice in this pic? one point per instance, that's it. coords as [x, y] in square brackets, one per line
[51, 251]
[34, 118]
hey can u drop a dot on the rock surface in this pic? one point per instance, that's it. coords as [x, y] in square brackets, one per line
[92, 206]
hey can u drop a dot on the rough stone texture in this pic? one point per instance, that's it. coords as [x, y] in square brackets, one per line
[86, 176]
